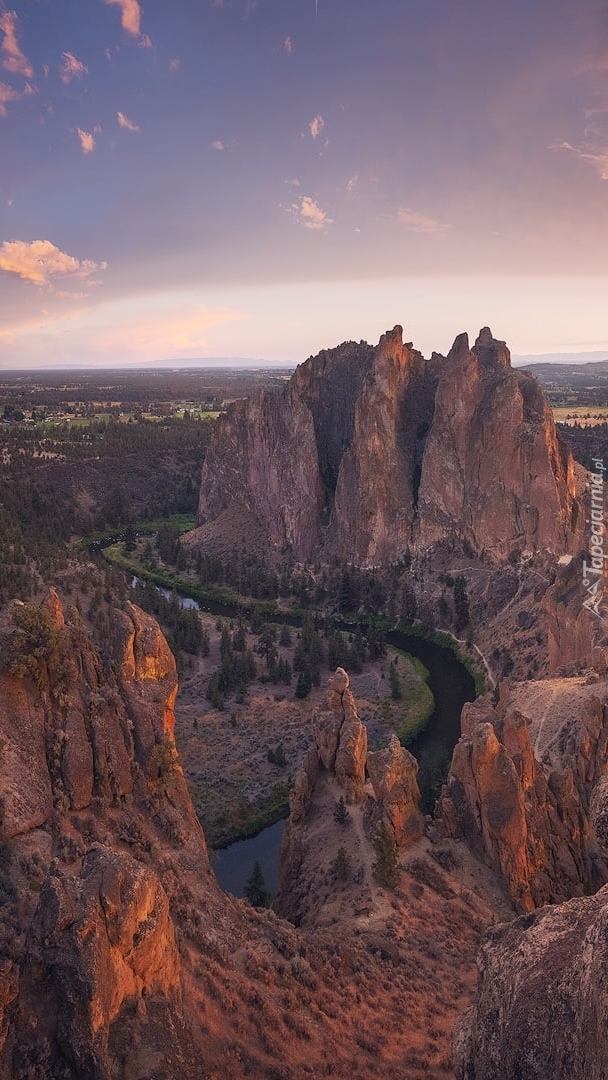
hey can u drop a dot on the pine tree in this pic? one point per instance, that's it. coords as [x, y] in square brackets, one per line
[386, 869]
[395, 683]
[255, 887]
[341, 865]
[341, 814]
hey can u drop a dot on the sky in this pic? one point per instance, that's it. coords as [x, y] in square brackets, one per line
[262, 179]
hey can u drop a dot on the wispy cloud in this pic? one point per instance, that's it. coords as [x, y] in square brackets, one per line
[594, 155]
[316, 126]
[217, 144]
[71, 68]
[352, 183]
[124, 122]
[175, 64]
[420, 223]
[13, 59]
[308, 213]
[288, 46]
[130, 15]
[87, 141]
[8, 94]
[39, 261]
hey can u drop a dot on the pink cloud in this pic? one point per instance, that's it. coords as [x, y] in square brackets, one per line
[37, 261]
[87, 141]
[128, 125]
[130, 15]
[13, 59]
[71, 68]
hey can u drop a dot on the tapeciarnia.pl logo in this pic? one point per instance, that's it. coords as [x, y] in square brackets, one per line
[593, 572]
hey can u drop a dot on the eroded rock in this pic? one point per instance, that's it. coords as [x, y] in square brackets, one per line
[393, 775]
[542, 1005]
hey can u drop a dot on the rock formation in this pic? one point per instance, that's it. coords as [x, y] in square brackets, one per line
[340, 751]
[368, 452]
[89, 778]
[120, 957]
[341, 738]
[521, 783]
[393, 776]
[542, 1005]
[578, 636]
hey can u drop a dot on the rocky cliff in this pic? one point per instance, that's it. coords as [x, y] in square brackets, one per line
[521, 785]
[339, 761]
[367, 452]
[90, 785]
[542, 1007]
[121, 959]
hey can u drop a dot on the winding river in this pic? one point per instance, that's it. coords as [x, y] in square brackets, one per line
[451, 685]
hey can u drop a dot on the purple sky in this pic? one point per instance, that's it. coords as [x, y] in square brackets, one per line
[265, 178]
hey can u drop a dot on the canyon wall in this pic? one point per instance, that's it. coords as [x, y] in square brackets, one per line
[521, 784]
[368, 452]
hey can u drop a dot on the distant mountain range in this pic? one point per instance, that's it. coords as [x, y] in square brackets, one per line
[588, 359]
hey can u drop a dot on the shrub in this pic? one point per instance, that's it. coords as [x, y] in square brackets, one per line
[341, 866]
[386, 869]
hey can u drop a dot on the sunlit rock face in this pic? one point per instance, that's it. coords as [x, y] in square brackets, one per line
[92, 803]
[392, 772]
[522, 780]
[370, 451]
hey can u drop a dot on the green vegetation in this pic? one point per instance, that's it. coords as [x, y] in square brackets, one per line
[36, 649]
[242, 818]
[386, 867]
[342, 865]
[255, 888]
[341, 814]
[277, 756]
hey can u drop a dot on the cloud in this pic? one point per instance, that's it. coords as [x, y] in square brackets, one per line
[130, 15]
[38, 261]
[145, 41]
[420, 223]
[597, 156]
[217, 144]
[316, 126]
[288, 46]
[71, 68]
[309, 214]
[175, 64]
[352, 183]
[13, 59]
[8, 94]
[128, 125]
[87, 141]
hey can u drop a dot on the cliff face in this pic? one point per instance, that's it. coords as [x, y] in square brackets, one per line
[542, 1007]
[391, 451]
[493, 466]
[90, 782]
[521, 785]
[375, 503]
[120, 958]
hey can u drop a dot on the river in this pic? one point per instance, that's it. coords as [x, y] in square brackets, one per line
[451, 685]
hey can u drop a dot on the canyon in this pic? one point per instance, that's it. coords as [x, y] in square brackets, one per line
[121, 958]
